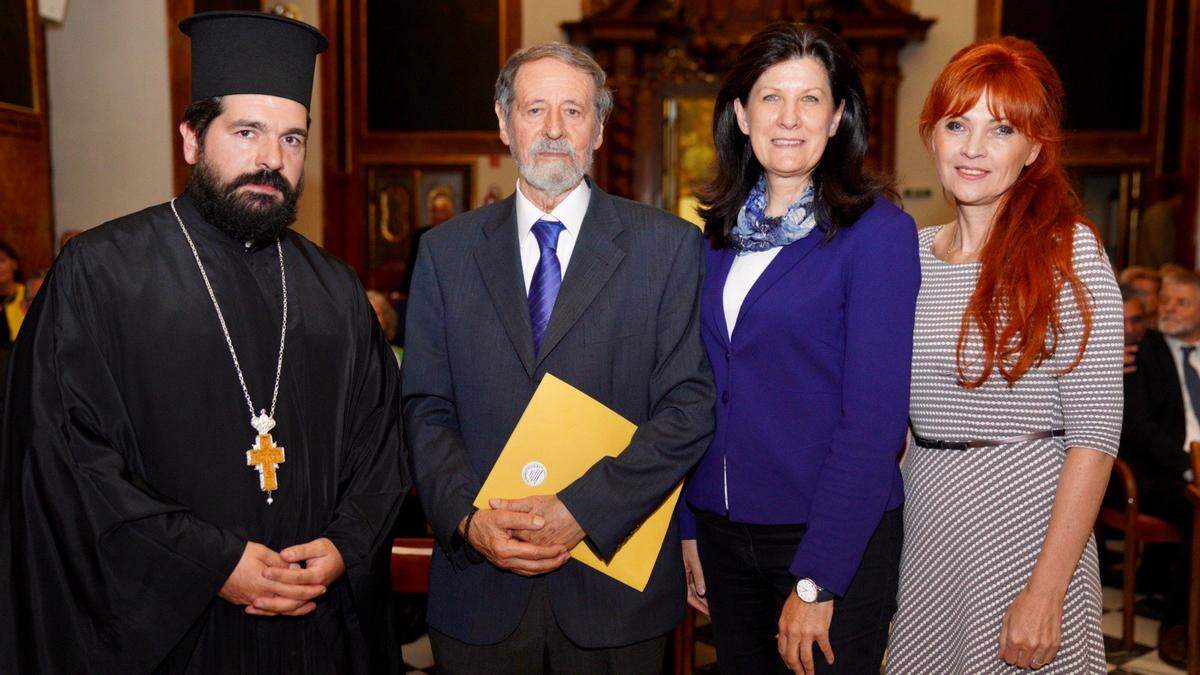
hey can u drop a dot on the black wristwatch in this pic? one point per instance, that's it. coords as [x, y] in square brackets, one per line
[473, 556]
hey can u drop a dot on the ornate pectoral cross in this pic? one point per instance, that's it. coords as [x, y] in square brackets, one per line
[266, 457]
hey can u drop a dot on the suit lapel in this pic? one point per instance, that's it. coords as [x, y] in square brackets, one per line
[593, 261]
[788, 257]
[1170, 368]
[499, 258]
[714, 298]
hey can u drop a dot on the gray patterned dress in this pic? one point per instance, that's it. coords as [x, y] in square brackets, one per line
[974, 521]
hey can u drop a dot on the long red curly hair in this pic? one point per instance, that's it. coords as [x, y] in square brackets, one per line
[1026, 259]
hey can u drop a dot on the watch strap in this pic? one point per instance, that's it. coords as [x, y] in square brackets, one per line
[473, 556]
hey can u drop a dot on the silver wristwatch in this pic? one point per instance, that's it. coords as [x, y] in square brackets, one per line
[808, 591]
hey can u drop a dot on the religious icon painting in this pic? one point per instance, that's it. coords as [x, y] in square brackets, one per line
[403, 201]
[18, 73]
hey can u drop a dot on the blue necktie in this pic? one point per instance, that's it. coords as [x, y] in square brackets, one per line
[1191, 379]
[547, 278]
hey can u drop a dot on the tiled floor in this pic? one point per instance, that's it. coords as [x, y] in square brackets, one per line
[1144, 658]
[1142, 661]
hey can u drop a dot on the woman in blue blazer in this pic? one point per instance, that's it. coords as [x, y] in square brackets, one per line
[807, 317]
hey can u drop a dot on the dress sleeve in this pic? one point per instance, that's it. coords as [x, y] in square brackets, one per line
[1092, 392]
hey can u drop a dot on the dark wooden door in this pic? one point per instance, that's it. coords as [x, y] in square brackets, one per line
[26, 212]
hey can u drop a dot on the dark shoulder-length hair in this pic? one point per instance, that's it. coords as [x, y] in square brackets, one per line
[11, 252]
[845, 187]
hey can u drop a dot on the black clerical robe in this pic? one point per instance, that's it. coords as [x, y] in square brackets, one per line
[127, 499]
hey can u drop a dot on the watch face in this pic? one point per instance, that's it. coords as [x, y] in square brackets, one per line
[806, 590]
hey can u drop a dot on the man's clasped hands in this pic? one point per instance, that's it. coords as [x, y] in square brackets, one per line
[528, 536]
[285, 583]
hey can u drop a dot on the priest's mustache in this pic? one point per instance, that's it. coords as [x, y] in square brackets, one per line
[265, 177]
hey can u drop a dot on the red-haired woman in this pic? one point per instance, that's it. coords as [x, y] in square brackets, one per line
[1016, 387]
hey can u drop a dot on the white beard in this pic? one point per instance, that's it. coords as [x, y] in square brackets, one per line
[553, 177]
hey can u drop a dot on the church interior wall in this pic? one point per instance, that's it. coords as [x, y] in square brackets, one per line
[540, 19]
[920, 64]
[111, 133]
[112, 136]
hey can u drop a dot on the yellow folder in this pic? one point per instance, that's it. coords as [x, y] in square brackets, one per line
[562, 433]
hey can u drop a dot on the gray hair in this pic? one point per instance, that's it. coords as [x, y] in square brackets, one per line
[1183, 277]
[565, 53]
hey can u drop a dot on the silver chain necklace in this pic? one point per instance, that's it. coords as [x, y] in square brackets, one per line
[264, 456]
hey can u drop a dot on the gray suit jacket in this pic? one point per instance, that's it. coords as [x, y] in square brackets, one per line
[625, 330]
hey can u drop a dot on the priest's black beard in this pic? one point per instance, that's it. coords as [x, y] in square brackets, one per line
[245, 216]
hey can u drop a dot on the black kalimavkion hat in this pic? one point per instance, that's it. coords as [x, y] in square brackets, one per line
[252, 53]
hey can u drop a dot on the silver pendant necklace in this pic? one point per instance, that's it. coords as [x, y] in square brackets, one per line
[264, 455]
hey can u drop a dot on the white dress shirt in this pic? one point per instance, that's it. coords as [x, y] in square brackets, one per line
[745, 271]
[1192, 425]
[570, 212]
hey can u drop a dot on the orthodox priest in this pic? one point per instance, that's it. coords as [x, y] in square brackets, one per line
[201, 450]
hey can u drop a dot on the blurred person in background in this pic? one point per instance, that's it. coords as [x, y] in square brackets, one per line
[1162, 408]
[12, 293]
[1137, 322]
[1146, 282]
[389, 320]
[33, 284]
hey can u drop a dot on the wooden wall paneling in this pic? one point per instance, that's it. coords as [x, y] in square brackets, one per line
[647, 167]
[987, 18]
[418, 143]
[179, 68]
[351, 146]
[881, 80]
[1154, 74]
[622, 136]
[339, 18]
[354, 220]
[649, 48]
[1139, 155]
[26, 208]
[1108, 149]
[1190, 159]
[1103, 147]
[1143, 151]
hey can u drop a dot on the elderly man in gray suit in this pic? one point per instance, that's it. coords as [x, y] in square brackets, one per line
[602, 292]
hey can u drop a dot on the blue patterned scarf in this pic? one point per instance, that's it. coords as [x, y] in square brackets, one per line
[756, 232]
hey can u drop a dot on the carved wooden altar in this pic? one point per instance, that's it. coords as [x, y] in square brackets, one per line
[654, 50]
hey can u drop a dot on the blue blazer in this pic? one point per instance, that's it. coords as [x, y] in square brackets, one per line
[812, 390]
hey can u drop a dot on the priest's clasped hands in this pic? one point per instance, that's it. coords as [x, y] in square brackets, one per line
[285, 583]
[527, 536]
